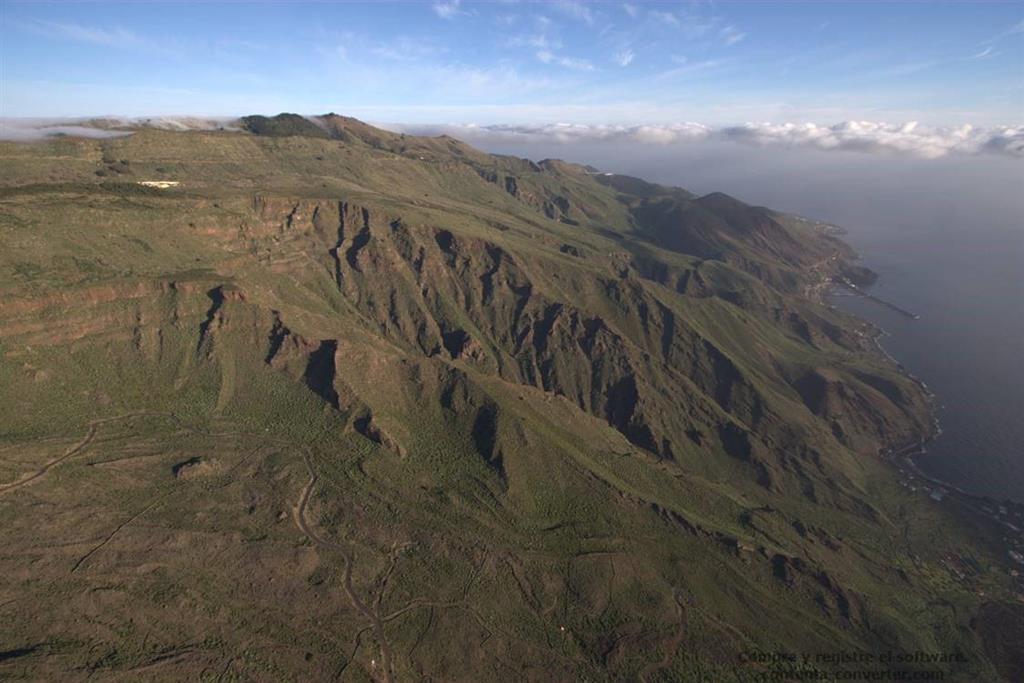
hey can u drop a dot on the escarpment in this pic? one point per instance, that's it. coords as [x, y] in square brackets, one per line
[622, 345]
[629, 344]
[610, 341]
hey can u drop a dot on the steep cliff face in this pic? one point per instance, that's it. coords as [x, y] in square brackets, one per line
[579, 327]
[596, 426]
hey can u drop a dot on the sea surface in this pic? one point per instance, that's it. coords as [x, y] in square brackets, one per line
[946, 237]
[966, 345]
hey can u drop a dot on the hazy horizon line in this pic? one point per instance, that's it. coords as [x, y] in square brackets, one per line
[909, 137]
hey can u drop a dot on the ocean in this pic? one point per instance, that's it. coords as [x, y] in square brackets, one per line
[967, 345]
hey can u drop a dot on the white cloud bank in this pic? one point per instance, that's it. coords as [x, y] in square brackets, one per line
[563, 133]
[27, 133]
[862, 136]
[912, 139]
[870, 136]
[27, 130]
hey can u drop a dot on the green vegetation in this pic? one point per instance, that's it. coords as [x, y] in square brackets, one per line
[282, 125]
[348, 403]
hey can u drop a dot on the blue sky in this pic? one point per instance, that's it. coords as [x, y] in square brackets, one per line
[524, 62]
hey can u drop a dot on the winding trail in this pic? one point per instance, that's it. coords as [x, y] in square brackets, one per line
[300, 517]
[77, 448]
[372, 614]
[672, 645]
[82, 560]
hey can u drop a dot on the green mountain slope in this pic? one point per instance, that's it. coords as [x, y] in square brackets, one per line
[345, 402]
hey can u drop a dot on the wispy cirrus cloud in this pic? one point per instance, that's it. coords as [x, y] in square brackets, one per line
[731, 35]
[116, 37]
[111, 37]
[698, 25]
[666, 18]
[575, 63]
[904, 69]
[1012, 30]
[540, 40]
[448, 9]
[405, 49]
[575, 10]
[375, 67]
[624, 57]
[686, 67]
